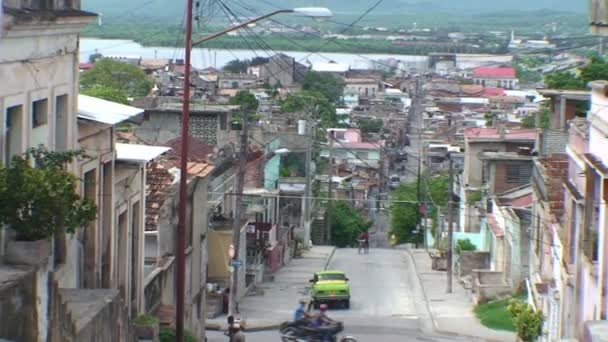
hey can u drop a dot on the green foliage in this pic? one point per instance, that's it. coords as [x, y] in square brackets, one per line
[563, 80]
[327, 84]
[94, 57]
[494, 315]
[314, 104]
[404, 216]
[168, 335]
[527, 74]
[473, 197]
[596, 69]
[106, 93]
[145, 320]
[246, 100]
[239, 66]
[545, 119]
[38, 201]
[347, 224]
[126, 78]
[236, 66]
[528, 323]
[369, 125]
[293, 164]
[464, 245]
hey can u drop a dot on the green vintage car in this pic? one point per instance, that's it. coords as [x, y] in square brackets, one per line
[330, 287]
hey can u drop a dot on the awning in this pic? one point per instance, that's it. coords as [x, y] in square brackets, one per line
[108, 112]
[138, 153]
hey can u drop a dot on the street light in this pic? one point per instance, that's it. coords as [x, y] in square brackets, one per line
[317, 13]
[314, 12]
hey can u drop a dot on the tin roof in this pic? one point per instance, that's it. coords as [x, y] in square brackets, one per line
[138, 153]
[108, 112]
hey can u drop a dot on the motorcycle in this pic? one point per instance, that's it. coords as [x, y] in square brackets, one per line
[302, 332]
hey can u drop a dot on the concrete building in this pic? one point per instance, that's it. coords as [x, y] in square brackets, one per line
[499, 149]
[498, 77]
[284, 70]
[237, 81]
[210, 124]
[364, 87]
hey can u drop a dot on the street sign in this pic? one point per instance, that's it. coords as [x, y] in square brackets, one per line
[236, 263]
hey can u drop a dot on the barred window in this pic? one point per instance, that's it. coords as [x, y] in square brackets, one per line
[518, 173]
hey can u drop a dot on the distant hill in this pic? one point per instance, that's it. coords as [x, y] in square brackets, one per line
[150, 9]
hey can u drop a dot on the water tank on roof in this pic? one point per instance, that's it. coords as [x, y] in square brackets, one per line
[302, 127]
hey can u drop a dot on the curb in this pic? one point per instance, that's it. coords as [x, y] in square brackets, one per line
[329, 257]
[269, 326]
[436, 328]
[253, 328]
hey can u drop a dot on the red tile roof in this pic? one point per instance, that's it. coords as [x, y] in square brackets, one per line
[493, 133]
[496, 229]
[494, 72]
[197, 149]
[158, 180]
[494, 92]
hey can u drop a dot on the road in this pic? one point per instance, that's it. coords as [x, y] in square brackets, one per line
[386, 303]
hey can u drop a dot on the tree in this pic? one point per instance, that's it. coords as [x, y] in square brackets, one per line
[38, 201]
[248, 104]
[596, 69]
[404, 213]
[106, 93]
[545, 119]
[563, 80]
[369, 125]
[125, 78]
[327, 84]
[255, 61]
[404, 209]
[236, 66]
[312, 103]
[94, 57]
[347, 224]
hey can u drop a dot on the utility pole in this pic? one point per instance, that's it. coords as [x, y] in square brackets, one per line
[236, 223]
[183, 183]
[308, 188]
[330, 204]
[450, 225]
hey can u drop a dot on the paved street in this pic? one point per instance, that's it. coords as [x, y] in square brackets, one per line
[387, 301]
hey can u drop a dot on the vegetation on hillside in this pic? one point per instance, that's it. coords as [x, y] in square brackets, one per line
[125, 78]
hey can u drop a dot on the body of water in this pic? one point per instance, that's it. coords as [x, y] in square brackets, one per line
[202, 58]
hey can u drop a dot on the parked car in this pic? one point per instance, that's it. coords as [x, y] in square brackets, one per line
[395, 181]
[330, 287]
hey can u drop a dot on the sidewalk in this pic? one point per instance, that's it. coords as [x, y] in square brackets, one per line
[451, 314]
[280, 297]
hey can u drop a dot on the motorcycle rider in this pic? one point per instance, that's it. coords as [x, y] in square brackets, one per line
[364, 236]
[300, 313]
[322, 319]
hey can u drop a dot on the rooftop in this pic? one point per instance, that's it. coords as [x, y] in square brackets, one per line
[138, 153]
[493, 133]
[494, 72]
[108, 112]
[198, 107]
[330, 67]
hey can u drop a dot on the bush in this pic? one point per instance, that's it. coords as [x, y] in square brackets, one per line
[528, 322]
[464, 245]
[145, 320]
[168, 335]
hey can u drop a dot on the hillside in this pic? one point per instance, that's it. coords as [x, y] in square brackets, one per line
[156, 9]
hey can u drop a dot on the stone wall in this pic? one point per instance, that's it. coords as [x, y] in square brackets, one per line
[471, 260]
[17, 294]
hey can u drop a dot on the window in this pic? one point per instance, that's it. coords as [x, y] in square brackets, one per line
[39, 112]
[13, 133]
[235, 85]
[61, 122]
[518, 173]
[339, 135]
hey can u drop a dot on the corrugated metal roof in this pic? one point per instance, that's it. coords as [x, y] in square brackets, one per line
[138, 153]
[330, 67]
[108, 112]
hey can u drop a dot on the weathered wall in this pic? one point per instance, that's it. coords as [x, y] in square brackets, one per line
[17, 304]
[470, 260]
